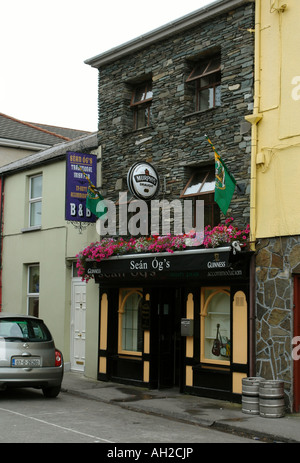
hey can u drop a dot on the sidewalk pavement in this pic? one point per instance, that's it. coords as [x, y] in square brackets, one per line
[217, 414]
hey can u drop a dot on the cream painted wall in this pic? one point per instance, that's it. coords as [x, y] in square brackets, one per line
[53, 247]
[8, 154]
[276, 187]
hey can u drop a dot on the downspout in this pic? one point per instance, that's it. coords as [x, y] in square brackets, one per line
[1, 236]
[254, 119]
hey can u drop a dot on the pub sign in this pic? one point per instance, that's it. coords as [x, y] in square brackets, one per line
[80, 167]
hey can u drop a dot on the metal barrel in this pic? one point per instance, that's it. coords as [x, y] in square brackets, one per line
[250, 395]
[271, 399]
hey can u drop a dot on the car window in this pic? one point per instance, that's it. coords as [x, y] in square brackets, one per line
[29, 330]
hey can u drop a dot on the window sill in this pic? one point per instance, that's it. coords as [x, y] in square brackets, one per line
[130, 354]
[31, 229]
[137, 131]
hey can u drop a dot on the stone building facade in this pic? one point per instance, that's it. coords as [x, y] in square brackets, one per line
[175, 140]
[213, 47]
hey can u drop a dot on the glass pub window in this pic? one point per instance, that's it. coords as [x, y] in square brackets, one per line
[33, 290]
[141, 104]
[35, 201]
[215, 321]
[130, 331]
[206, 75]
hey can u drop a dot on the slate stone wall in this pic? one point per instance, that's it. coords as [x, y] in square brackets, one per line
[175, 142]
[276, 261]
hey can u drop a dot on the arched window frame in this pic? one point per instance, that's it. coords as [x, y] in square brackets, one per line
[203, 315]
[124, 295]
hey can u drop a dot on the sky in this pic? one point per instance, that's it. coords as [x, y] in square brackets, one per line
[44, 44]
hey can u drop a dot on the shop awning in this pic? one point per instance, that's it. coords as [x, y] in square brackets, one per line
[156, 264]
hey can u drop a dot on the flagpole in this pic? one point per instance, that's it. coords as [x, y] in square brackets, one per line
[216, 152]
[90, 183]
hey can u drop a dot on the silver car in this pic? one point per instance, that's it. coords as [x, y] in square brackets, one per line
[28, 356]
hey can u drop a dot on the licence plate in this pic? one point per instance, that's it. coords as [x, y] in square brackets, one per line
[26, 362]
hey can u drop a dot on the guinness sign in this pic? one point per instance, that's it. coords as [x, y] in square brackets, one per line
[143, 181]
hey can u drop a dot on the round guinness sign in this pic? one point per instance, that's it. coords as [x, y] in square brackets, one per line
[143, 181]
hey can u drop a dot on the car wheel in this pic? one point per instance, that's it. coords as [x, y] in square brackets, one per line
[51, 392]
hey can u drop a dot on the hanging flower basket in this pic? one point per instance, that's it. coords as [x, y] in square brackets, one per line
[221, 235]
[225, 234]
[109, 247]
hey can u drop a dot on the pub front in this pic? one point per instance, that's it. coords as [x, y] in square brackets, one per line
[182, 319]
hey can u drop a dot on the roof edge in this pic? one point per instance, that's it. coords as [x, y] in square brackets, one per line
[54, 153]
[32, 126]
[185, 22]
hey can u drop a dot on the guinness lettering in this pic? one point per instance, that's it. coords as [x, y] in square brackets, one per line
[93, 271]
[216, 264]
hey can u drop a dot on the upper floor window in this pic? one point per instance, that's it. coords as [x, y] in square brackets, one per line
[201, 185]
[141, 104]
[35, 200]
[206, 75]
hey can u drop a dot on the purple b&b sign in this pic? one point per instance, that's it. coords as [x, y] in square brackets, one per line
[77, 185]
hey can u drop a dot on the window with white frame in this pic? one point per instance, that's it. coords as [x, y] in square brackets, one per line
[35, 200]
[33, 289]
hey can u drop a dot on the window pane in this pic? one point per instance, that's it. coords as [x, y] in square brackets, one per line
[35, 213]
[36, 187]
[142, 93]
[198, 70]
[34, 279]
[205, 67]
[211, 97]
[142, 117]
[195, 184]
[33, 306]
[131, 331]
[218, 313]
[204, 100]
[214, 65]
[209, 184]
[218, 96]
[149, 93]
[139, 95]
[204, 82]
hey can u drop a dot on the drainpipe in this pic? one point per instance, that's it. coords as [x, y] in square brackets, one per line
[254, 119]
[1, 235]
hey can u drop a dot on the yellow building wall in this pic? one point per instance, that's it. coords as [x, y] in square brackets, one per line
[275, 185]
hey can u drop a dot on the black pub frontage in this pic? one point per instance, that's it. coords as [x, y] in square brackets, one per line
[182, 319]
